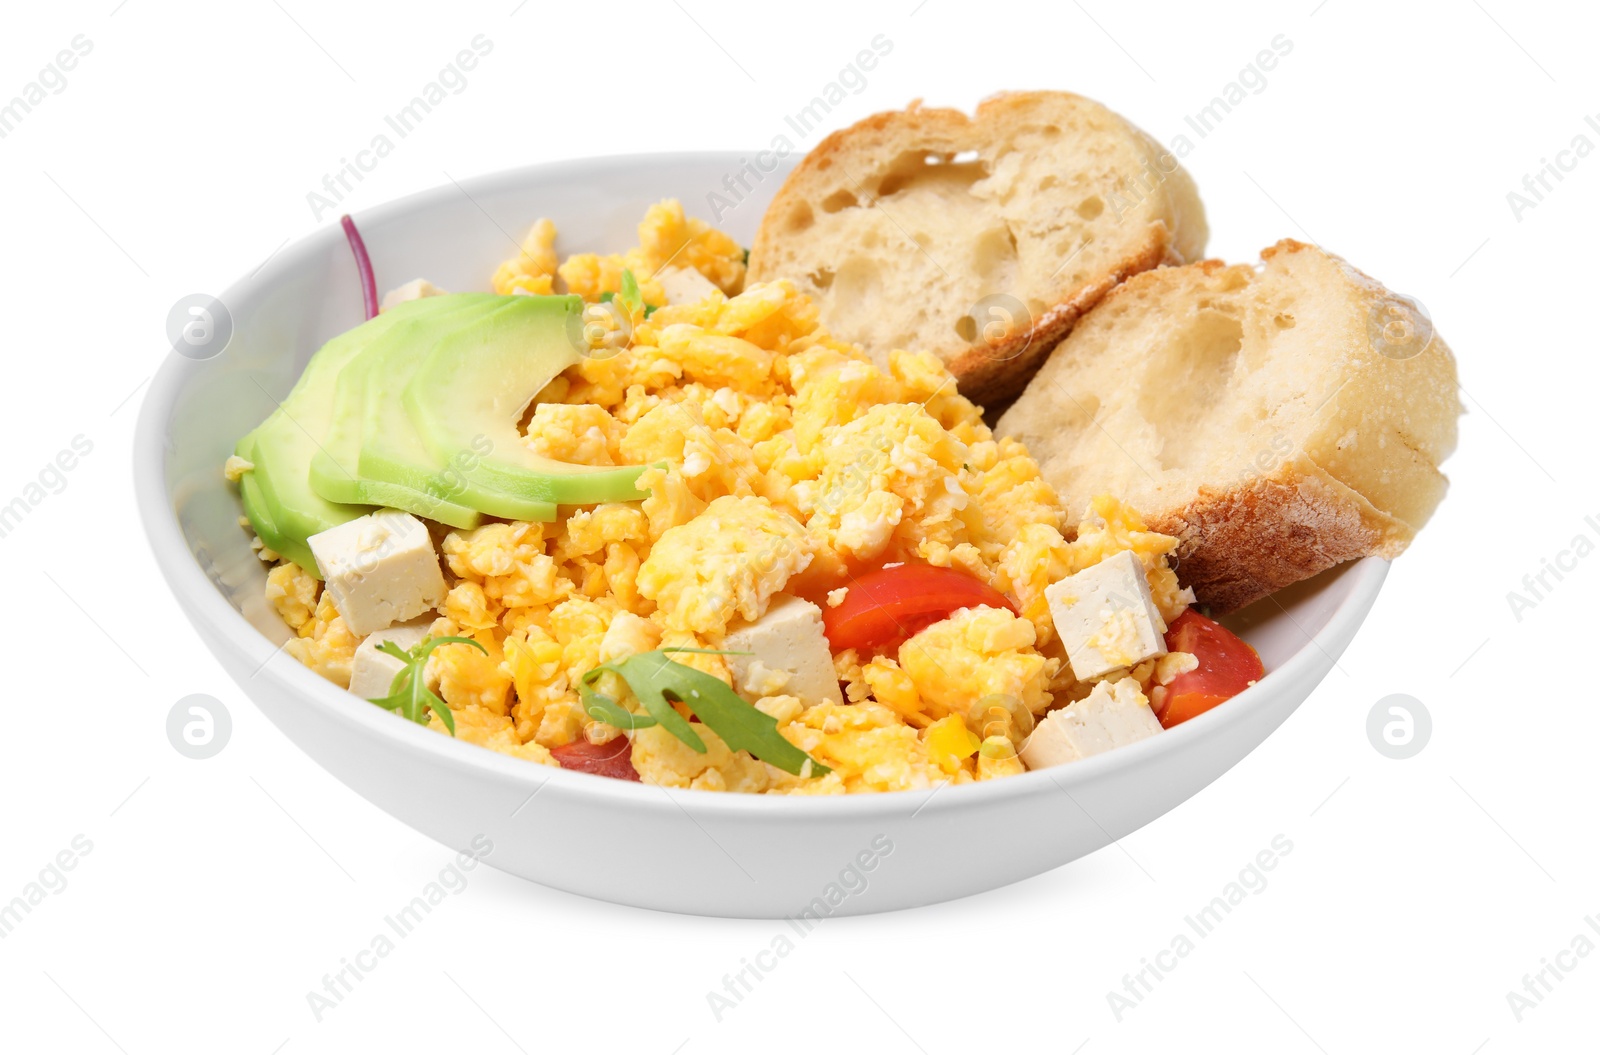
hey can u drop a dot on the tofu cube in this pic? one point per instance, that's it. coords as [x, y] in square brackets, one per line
[1114, 714]
[788, 654]
[685, 285]
[371, 671]
[381, 569]
[1106, 618]
[416, 289]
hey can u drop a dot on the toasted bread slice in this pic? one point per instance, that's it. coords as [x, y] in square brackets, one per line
[1278, 421]
[979, 239]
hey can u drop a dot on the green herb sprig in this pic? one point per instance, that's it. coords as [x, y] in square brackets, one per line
[409, 695]
[631, 296]
[630, 292]
[657, 682]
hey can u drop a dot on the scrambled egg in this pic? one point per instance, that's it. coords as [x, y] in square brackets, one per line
[791, 462]
[727, 561]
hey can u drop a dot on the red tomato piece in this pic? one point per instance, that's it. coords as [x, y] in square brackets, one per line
[893, 603]
[1228, 666]
[612, 759]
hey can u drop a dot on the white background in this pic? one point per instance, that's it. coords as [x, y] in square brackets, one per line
[218, 893]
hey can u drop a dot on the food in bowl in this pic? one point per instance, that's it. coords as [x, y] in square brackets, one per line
[726, 551]
[638, 516]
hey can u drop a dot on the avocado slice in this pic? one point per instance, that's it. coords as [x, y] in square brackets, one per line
[393, 452]
[336, 468]
[255, 506]
[282, 507]
[279, 501]
[418, 409]
[467, 397]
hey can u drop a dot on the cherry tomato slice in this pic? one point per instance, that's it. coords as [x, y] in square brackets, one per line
[612, 759]
[894, 603]
[1228, 665]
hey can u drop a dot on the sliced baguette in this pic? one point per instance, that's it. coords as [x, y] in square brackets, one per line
[1278, 421]
[980, 239]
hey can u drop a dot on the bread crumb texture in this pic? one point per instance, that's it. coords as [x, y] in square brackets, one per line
[979, 239]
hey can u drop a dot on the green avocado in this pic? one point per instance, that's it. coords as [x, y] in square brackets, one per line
[363, 459]
[394, 450]
[418, 409]
[255, 506]
[467, 398]
[279, 501]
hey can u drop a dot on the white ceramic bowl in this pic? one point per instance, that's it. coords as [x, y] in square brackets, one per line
[686, 851]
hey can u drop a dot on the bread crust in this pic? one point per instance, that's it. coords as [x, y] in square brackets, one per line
[992, 372]
[1238, 545]
[991, 375]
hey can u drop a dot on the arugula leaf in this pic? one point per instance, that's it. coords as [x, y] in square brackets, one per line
[642, 679]
[409, 695]
[607, 297]
[630, 292]
[658, 683]
[605, 709]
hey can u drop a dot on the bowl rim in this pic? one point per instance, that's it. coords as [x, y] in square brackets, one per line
[203, 602]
